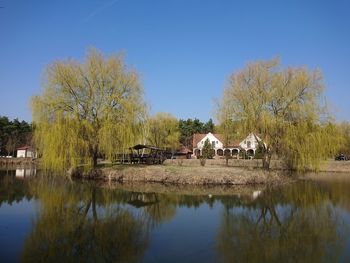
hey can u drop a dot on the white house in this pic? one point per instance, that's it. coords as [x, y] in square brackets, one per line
[25, 152]
[249, 145]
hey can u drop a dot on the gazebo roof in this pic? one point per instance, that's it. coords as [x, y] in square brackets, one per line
[141, 146]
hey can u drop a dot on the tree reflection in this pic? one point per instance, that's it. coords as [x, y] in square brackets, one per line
[11, 189]
[298, 224]
[157, 208]
[79, 222]
[74, 225]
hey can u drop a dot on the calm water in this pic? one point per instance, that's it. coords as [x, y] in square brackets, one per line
[53, 220]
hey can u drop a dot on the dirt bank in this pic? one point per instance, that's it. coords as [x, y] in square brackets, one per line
[177, 189]
[215, 172]
[16, 161]
[327, 166]
[207, 175]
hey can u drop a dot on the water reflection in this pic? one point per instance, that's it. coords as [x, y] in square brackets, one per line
[83, 222]
[298, 223]
[12, 190]
[24, 172]
[155, 211]
[77, 223]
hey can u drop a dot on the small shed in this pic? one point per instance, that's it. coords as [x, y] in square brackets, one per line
[25, 152]
[183, 153]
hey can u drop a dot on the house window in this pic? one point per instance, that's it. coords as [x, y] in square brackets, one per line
[217, 142]
[202, 142]
[213, 144]
[249, 144]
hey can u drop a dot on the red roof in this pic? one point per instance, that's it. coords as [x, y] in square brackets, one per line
[24, 147]
[197, 137]
[233, 144]
[184, 150]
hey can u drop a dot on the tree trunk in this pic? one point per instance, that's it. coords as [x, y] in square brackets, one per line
[266, 161]
[94, 212]
[94, 158]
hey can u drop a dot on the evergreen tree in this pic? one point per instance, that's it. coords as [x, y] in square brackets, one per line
[13, 134]
[189, 127]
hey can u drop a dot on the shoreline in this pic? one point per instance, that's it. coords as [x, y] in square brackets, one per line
[189, 172]
[214, 173]
[190, 190]
[329, 165]
[184, 175]
[17, 161]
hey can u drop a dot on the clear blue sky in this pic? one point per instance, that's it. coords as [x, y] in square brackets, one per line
[184, 50]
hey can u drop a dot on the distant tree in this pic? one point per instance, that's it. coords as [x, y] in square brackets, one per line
[87, 110]
[4, 124]
[189, 127]
[12, 143]
[283, 106]
[186, 128]
[163, 131]
[13, 134]
[208, 126]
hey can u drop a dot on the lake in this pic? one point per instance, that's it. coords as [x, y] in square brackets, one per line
[45, 219]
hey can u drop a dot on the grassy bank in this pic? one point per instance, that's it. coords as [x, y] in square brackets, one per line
[276, 165]
[190, 175]
[255, 163]
[16, 161]
[215, 172]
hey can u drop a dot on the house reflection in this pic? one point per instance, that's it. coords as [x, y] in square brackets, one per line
[248, 196]
[142, 199]
[256, 194]
[23, 172]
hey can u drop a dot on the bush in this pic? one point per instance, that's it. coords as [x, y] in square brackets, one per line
[207, 150]
[259, 153]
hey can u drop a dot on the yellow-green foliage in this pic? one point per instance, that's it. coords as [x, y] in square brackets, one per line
[285, 108]
[86, 110]
[306, 145]
[344, 130]
[163, 131]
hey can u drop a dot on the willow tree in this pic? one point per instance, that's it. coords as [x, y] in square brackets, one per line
[285, 107]
[344, 130]
[229, 132]
[163, 131]
[87, 110]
